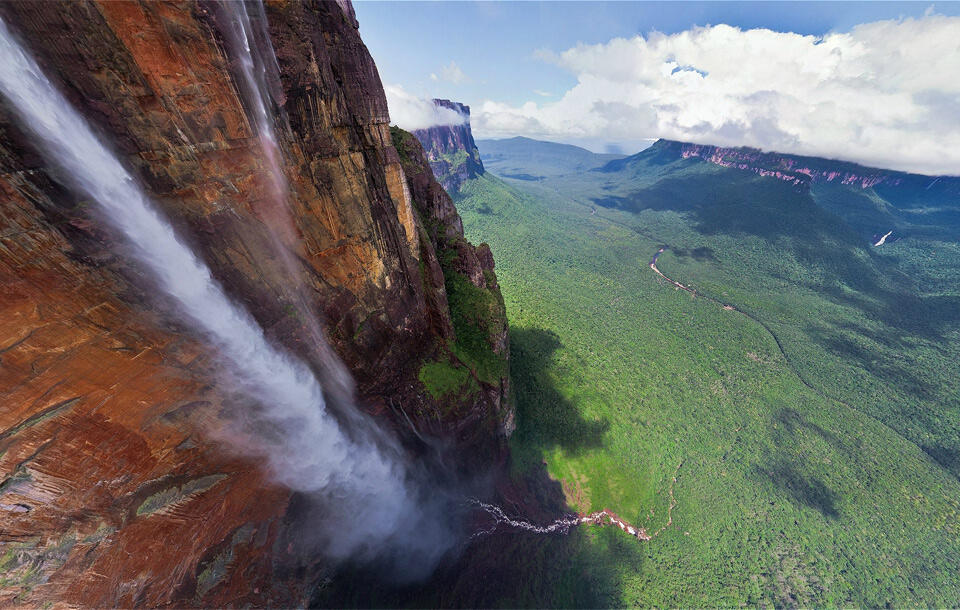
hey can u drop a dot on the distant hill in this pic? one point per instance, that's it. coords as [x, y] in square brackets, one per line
[527, 159]
[868, 199]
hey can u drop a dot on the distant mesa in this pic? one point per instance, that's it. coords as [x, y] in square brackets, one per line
[451, 151]
[796, 169]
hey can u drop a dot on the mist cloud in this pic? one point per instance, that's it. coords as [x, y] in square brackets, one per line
[411, 112]
[884, 93]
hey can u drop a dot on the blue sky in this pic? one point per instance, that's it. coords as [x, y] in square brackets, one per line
[501, 56]
[495, 43]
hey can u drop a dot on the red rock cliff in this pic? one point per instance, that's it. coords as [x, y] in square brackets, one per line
[111, 491]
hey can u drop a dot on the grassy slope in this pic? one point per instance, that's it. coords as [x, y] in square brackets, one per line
[785, 496]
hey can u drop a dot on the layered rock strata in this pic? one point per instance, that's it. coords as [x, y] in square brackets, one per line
[113, 491]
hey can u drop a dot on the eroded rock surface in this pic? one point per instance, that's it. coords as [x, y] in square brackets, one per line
[113, 491]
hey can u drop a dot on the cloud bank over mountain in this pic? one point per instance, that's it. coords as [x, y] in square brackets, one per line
[411, 112]
[883, 94]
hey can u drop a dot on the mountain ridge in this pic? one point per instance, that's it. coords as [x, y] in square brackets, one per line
[791, 167]
[528, 159]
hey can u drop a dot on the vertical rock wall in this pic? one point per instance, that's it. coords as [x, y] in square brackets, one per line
[112, 490]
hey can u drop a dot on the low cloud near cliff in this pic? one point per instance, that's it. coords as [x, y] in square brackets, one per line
[884, 93]
[411, 112]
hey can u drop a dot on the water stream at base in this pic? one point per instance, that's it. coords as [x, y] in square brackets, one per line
[563, 524]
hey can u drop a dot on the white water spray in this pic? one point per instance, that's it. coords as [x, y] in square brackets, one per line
[238, 30]
[883, 239]
[254, 73]
[313, 453]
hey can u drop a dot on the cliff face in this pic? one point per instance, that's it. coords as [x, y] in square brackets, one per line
[112, 491]
[452, 153]
[465, 276]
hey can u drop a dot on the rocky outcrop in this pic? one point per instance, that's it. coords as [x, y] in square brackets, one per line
[452, 153]
[465, 276]
[112, 489]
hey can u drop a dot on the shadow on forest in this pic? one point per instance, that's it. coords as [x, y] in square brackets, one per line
[784, 470]
[545, 417]
[792, 422]
[877, 364]
[511, 568]
[701, 254]
[947, 457]
[808, 490]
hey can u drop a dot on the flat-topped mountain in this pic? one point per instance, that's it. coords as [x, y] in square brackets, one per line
[450, 149]
[871, 200]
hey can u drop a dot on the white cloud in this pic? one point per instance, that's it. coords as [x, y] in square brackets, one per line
[452, 74]
[411, 112]
[885, 93]
[542, 93]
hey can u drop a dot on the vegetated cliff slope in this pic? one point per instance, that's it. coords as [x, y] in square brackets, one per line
[452, 153]
[475, 303]
[112, 491]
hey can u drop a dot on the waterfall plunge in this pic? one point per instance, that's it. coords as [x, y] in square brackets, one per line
[366, 484]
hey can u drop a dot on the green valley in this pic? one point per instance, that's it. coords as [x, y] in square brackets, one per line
[808, 386]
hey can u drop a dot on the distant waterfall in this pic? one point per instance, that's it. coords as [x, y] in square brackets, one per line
[311, 453]
[252, 65]
[253, 68]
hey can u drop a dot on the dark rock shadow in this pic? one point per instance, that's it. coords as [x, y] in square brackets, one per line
[545, 418]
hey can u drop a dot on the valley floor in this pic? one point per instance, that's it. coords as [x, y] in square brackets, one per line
[807, 427]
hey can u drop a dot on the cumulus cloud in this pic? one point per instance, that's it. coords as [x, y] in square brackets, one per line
[450, 73]
[411, 112]
[885, 93]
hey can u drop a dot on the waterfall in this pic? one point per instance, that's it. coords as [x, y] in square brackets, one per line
[235, 23]
[240, 36]
[366, 483]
